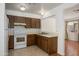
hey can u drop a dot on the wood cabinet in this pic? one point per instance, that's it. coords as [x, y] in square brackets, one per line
[11, 42]
[30, 22]
[35, 23]
[38, 41]
[48, 44]
[38, 23]
[52, 45]
[11, 21]
[44, 44]
[19, 19]
[30, 39]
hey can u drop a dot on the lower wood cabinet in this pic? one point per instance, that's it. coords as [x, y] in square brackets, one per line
[52, 45]
[44, 44]
[11, 42]
[30, 39]
[37, 40]
[48, 44]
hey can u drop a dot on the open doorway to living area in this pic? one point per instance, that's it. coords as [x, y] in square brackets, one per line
[71, 39]
[72, 31]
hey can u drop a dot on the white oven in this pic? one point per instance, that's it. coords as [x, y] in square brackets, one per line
[20, 37]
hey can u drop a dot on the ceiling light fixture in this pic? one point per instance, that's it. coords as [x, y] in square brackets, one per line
[70, 23]
[42, 12]
[22, 8]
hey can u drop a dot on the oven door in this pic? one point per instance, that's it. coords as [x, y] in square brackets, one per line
[20, 41]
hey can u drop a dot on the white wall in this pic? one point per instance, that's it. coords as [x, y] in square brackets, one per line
[60, 27]
[48, 24]
[3, 50]
[23, 14]
[6, 34]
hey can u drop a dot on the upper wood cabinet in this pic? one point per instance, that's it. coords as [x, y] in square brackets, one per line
[38, 25]
[11, 21]
[30, 22]
[35, 23]
[19, 19]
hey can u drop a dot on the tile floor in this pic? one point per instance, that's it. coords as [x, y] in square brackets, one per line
[30, 51]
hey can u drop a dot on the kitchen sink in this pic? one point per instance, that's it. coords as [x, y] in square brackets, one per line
[43, 33]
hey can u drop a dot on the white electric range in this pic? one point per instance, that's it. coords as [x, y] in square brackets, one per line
[20, 37]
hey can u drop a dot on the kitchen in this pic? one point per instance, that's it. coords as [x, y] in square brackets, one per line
[23, 37]
[25, 31]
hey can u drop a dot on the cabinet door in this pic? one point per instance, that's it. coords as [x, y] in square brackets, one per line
[11, 21]
[28, 22]
[30, 39]
[33, 23]
[19, 19]
[38, 25]
[44, 44]
[38, 41]
[52, 45]
[11, 42]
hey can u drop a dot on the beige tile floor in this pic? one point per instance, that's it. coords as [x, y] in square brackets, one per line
[29, 51]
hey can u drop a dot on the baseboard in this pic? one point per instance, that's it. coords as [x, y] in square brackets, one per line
[61, 54]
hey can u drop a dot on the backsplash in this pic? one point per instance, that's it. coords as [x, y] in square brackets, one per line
[33, 30]
[29, 31]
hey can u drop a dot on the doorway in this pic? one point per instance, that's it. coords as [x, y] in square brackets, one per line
[72, 38]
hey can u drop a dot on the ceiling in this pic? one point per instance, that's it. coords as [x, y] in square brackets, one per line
[36, 8]
[72, 13]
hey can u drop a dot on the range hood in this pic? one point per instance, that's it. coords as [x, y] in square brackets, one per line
[19, 24]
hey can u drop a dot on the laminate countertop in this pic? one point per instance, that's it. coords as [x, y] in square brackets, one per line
[49, 35]
[46, 35]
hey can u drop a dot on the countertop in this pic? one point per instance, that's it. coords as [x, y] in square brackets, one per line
[49, 35]
[46, 35]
